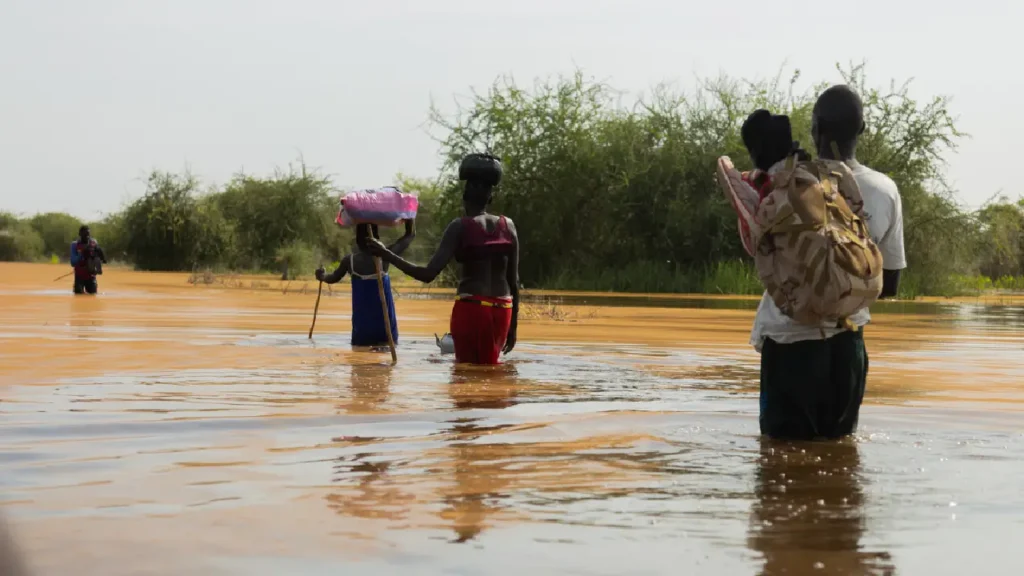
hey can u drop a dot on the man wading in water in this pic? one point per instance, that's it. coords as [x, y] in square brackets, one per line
[486, 313]
[87, 259]
[813, 387]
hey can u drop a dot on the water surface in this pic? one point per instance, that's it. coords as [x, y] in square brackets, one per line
[165, 428]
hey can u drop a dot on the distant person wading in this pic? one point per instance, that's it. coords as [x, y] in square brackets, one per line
[485, 316]
[87, 259]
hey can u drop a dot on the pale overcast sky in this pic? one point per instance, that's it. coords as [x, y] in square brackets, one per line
[96, 93]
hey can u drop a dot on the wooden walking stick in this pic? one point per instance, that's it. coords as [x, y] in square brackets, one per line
[316, 307]
[64, 276]
[384, 309]
[363, 231]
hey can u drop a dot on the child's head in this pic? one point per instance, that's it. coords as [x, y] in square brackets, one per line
[768, 138]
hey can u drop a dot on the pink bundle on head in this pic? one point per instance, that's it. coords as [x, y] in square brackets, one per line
[385, 206]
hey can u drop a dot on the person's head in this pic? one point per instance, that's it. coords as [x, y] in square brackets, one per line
[768, 138]
[361, 232]
[83, 233]
[482, 172]
[838, 119]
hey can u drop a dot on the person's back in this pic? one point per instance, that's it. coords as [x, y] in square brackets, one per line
[485, 316]
[813, 377]
[367, 316]
[368, 328]
[484, 247]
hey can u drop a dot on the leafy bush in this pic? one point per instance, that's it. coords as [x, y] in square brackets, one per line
[296, 258]
[269, 213]
[605, 196]
[170, 228]
[18, 240]
[595, 186]
[58, 230]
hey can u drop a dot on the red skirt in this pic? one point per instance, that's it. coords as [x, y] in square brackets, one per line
[479, 327]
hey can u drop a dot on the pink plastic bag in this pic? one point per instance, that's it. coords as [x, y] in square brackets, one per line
[386, 206]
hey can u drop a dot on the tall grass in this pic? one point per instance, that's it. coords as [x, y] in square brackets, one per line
[912, 285]
[728, 277]
[731, 277]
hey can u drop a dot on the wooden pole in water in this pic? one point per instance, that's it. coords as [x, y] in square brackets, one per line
[363, 231]
[315, 308]
[64, 276]
[384, 309]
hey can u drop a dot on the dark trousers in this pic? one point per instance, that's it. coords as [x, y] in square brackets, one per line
[814, 388]
[85, 286]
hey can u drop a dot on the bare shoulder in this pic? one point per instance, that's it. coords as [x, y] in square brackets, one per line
[453, 230]
[510, 223]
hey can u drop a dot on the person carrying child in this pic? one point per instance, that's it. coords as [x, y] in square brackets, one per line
[485, 316]
[827, 240]
[368, 327]
[769, 140]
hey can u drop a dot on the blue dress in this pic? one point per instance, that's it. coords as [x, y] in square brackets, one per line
[367, 317]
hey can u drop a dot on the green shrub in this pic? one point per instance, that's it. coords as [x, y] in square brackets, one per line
[19, 242]
[58, 230]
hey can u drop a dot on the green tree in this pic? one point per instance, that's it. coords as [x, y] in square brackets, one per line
[171, 228]
[19, 242]
[58, 230]
[594, 185]
[111, 235]
[269, 213]
[1001, 238]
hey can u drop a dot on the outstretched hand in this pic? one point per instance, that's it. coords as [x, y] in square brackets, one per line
[320, 273]
[376, 248]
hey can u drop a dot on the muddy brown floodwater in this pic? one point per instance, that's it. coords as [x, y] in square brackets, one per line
[166, 428]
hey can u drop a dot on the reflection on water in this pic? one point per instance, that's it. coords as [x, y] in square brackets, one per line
[11, 561]
[479, 482]
[810, 515]
[370, 388]
[492, 387]
[167, 429]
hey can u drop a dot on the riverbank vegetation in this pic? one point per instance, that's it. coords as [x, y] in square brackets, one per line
[606, 196]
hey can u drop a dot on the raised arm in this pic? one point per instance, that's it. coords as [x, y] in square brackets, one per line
[402, 244]
[426, 274]
[512, 276]
[344, 267]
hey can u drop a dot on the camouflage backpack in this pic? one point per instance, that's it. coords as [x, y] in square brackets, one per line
[814, 254]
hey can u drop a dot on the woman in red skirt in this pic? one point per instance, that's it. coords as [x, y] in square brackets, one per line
[486, 312]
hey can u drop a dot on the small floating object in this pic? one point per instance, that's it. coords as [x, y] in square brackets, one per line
[446, 343]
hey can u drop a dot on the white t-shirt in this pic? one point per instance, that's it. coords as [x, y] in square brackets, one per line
[884, 214]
